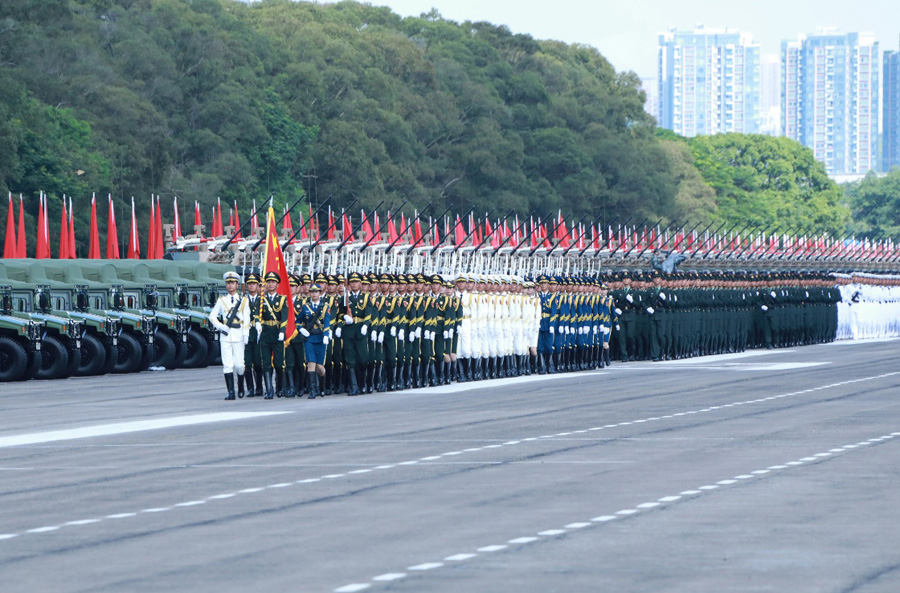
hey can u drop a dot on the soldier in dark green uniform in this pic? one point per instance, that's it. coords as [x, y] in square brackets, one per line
[272, 316]
[355, 332]
[252, 360]
[294, 364]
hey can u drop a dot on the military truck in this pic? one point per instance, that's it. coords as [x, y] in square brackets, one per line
[20, 344]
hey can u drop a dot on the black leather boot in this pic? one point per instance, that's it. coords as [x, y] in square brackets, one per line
[258, 379]
[605, 356]
[288, 387]
[240, 386]
[229, 385]
[279, 382]
[267, 377]
[313, 379]
[354, 385]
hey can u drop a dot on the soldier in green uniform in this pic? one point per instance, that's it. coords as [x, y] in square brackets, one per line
[294, 364]
[355, 332]
[252, 360]
[272, 316]
[334, 359]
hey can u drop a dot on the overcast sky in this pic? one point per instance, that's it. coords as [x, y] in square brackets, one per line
[626, 32]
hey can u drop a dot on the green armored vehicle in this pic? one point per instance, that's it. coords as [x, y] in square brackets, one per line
[20, 344]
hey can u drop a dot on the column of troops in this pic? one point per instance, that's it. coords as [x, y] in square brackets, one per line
[386, 332]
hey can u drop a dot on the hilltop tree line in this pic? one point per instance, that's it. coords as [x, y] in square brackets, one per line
[215, 98]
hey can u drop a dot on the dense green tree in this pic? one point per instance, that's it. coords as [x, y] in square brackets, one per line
[875, 204]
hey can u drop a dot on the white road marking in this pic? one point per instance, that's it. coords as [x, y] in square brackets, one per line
[647, 505]
[603, 518]
[669, 498]
[43, 529]
[459, 557]
[127, 427]
[389, 576]
[8, 535]
[353, 588]
[426, 566]
[523, 540]
[551, 532]
[494, 548]
[577, 525]
[121, 515]
[83, 522]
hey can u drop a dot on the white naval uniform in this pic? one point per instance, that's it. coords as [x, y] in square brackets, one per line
[464, 344]
[232, 339]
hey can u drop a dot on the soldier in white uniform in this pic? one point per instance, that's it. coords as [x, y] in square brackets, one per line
[231, 316]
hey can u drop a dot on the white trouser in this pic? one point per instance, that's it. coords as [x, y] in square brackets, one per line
[232, 348]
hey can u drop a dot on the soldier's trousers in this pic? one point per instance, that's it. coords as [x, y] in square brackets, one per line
[271, 350]
[356, 351]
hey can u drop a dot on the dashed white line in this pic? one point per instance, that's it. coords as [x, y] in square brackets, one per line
[523, 540]
[459, 557]
[494, 548]
[426, 566]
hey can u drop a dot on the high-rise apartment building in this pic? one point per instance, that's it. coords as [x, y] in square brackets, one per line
[891, 123]
[708, 82]
[829, 98]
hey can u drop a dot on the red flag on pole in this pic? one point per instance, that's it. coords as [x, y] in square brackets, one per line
[346, 227]
[219, 230]
[376, 228]
[254, 222]
[151, 231]
[177, 219]
[64, 232]
[71, 230]
[42, 246]
[94, 244]
[274, 262]
[112, 235]
[303, 235]
[160, 241]
[287, 224]
[417, 230]
[197, 221]
[237, 221]
[436, 237]
[330, 224]
[21, 247]
[9, 245]
[366, 227]
[460, 233]
[392, 229]
[134, 247]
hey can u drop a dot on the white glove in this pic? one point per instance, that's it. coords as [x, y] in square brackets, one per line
[552, 330]
[764, 308]
[618, 329]
[412, 337]
[450, 332]
[606, 330]
[446, 334]
[380, 337]
[337, 332]
[618, 311]
[629, 298]
[281, 336]
[401, 334]
[429, 335]
[418, 332]
[258, 329]
[364, 330]
[304, 332]
[675, 297]
[246, 339]
[325, 340]
[596, 328]
[348, 319]
[374, 336]
[394, 332]
[662, 295]
[773, 294]
[650, 310]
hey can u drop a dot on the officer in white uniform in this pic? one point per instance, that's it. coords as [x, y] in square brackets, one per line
[231, 317]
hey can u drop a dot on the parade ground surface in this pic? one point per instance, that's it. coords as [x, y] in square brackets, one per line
[763, 471]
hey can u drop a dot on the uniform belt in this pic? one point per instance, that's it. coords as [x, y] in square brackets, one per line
[270, 323]
[235, 324]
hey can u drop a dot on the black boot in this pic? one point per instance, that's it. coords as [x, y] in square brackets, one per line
[604, 356]
[288, 387]
[258, 380]
[279, 382]
[229, 385]
[354, 385]
[240, 386]
[267, 377]
[313, 379]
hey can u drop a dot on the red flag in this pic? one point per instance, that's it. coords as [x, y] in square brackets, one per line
[346, 227]
[71, 230]
[376, 227]
[134, 246]
[254, 222]
[177, 218]
[515, 239]
[218, 229]
[160, 241]
[21, 248]
[287, 224]
[197, 221]
[237, 221]
[303, 235]
[151, 231]
[366, 227]
[488, 231]
[495, 236]
[436, 237]
[274, 262]
[595, 238]
[330, 224]
[460, 233]
[403, 228]
[392, 229]
[9, 245]
[94, 245]
[42, 246]
[112, 235]
[417, 230]
[64, 232]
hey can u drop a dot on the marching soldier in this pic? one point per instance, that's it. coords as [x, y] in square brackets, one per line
[355, 332]
[252, 360]
[235, 331]
[294, 351]
[314, 321]
[272, 316]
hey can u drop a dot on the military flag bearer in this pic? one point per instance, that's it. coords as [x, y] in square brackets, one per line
[235, 329]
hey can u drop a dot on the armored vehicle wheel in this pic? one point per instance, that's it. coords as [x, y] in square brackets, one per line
[112, 356]
[13, 360]
[74, 363]
[93, 357]
[34, 365]
[128, 354]
[54, 359]
[164, 351]
[197, 350]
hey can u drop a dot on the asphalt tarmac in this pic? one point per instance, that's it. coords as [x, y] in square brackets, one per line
[768, 471]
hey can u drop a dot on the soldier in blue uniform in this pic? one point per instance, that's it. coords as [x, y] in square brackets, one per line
[314, 321]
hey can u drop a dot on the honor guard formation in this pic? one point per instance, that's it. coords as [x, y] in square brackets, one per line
[367, 333]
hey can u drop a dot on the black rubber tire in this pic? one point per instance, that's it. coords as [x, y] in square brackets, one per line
[197, 350]
[13, 359]
[34, 365]
[164, 350]
[180, 353]
[93, 357]
[128, 354]
[74, 363]
[213, 353]
[54, 359]
[112, 356]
